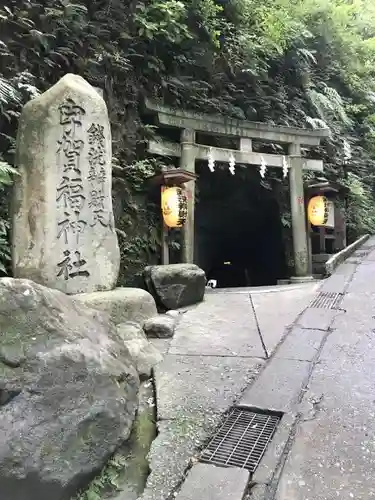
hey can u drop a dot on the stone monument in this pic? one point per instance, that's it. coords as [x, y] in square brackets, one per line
[63, 228]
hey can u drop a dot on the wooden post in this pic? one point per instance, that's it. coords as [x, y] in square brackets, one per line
[164, 245]
[297, 205]
[187, 162]
[322, 240]
[309, 233]
[164, 237]
[309, 249]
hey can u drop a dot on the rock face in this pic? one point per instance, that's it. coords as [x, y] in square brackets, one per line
[122, 304]
[160, 327]
[133, 478]
[145, 355]
[68, 392]
[63, 229]
[175, 285]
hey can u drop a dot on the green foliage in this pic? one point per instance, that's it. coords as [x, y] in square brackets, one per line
[139, 221]
[107, 481]
[6, 173]
[4, 246]
[162, 19]
[6, 177]
[360, 211]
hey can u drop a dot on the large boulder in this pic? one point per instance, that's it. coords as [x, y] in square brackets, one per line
[69, 392]
[175, 285]
[122, 304]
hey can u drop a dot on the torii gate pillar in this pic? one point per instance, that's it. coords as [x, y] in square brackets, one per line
[187, 162]
[297, 205]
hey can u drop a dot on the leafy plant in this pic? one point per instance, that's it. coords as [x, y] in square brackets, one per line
[6, 177]
[360, 213]
[107, 481]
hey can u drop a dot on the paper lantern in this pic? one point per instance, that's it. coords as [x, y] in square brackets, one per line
[174, 206]
[318, 210]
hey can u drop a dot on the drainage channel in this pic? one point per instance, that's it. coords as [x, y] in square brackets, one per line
[327, 300]
[242, 439]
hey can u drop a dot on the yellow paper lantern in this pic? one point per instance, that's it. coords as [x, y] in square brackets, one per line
[318, 210]
[174, 206]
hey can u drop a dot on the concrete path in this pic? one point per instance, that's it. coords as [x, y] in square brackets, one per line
[332, 452]
[218, 350]
[272, 349]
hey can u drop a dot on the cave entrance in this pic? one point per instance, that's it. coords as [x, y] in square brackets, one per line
[239, 235]
[288, 145]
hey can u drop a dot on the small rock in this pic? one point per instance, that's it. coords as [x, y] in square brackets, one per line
[12, 356]
[160, 327]
[173, 313]
[145, 355]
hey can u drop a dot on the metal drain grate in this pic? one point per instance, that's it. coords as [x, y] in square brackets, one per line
[327, 300]
[242, 439]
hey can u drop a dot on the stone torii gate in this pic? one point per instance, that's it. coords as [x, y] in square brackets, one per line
[244, 131]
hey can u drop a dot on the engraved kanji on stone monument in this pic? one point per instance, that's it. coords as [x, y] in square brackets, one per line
[63, 234]
[97, 176]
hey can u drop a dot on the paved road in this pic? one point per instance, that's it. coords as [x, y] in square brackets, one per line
[333, 452]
